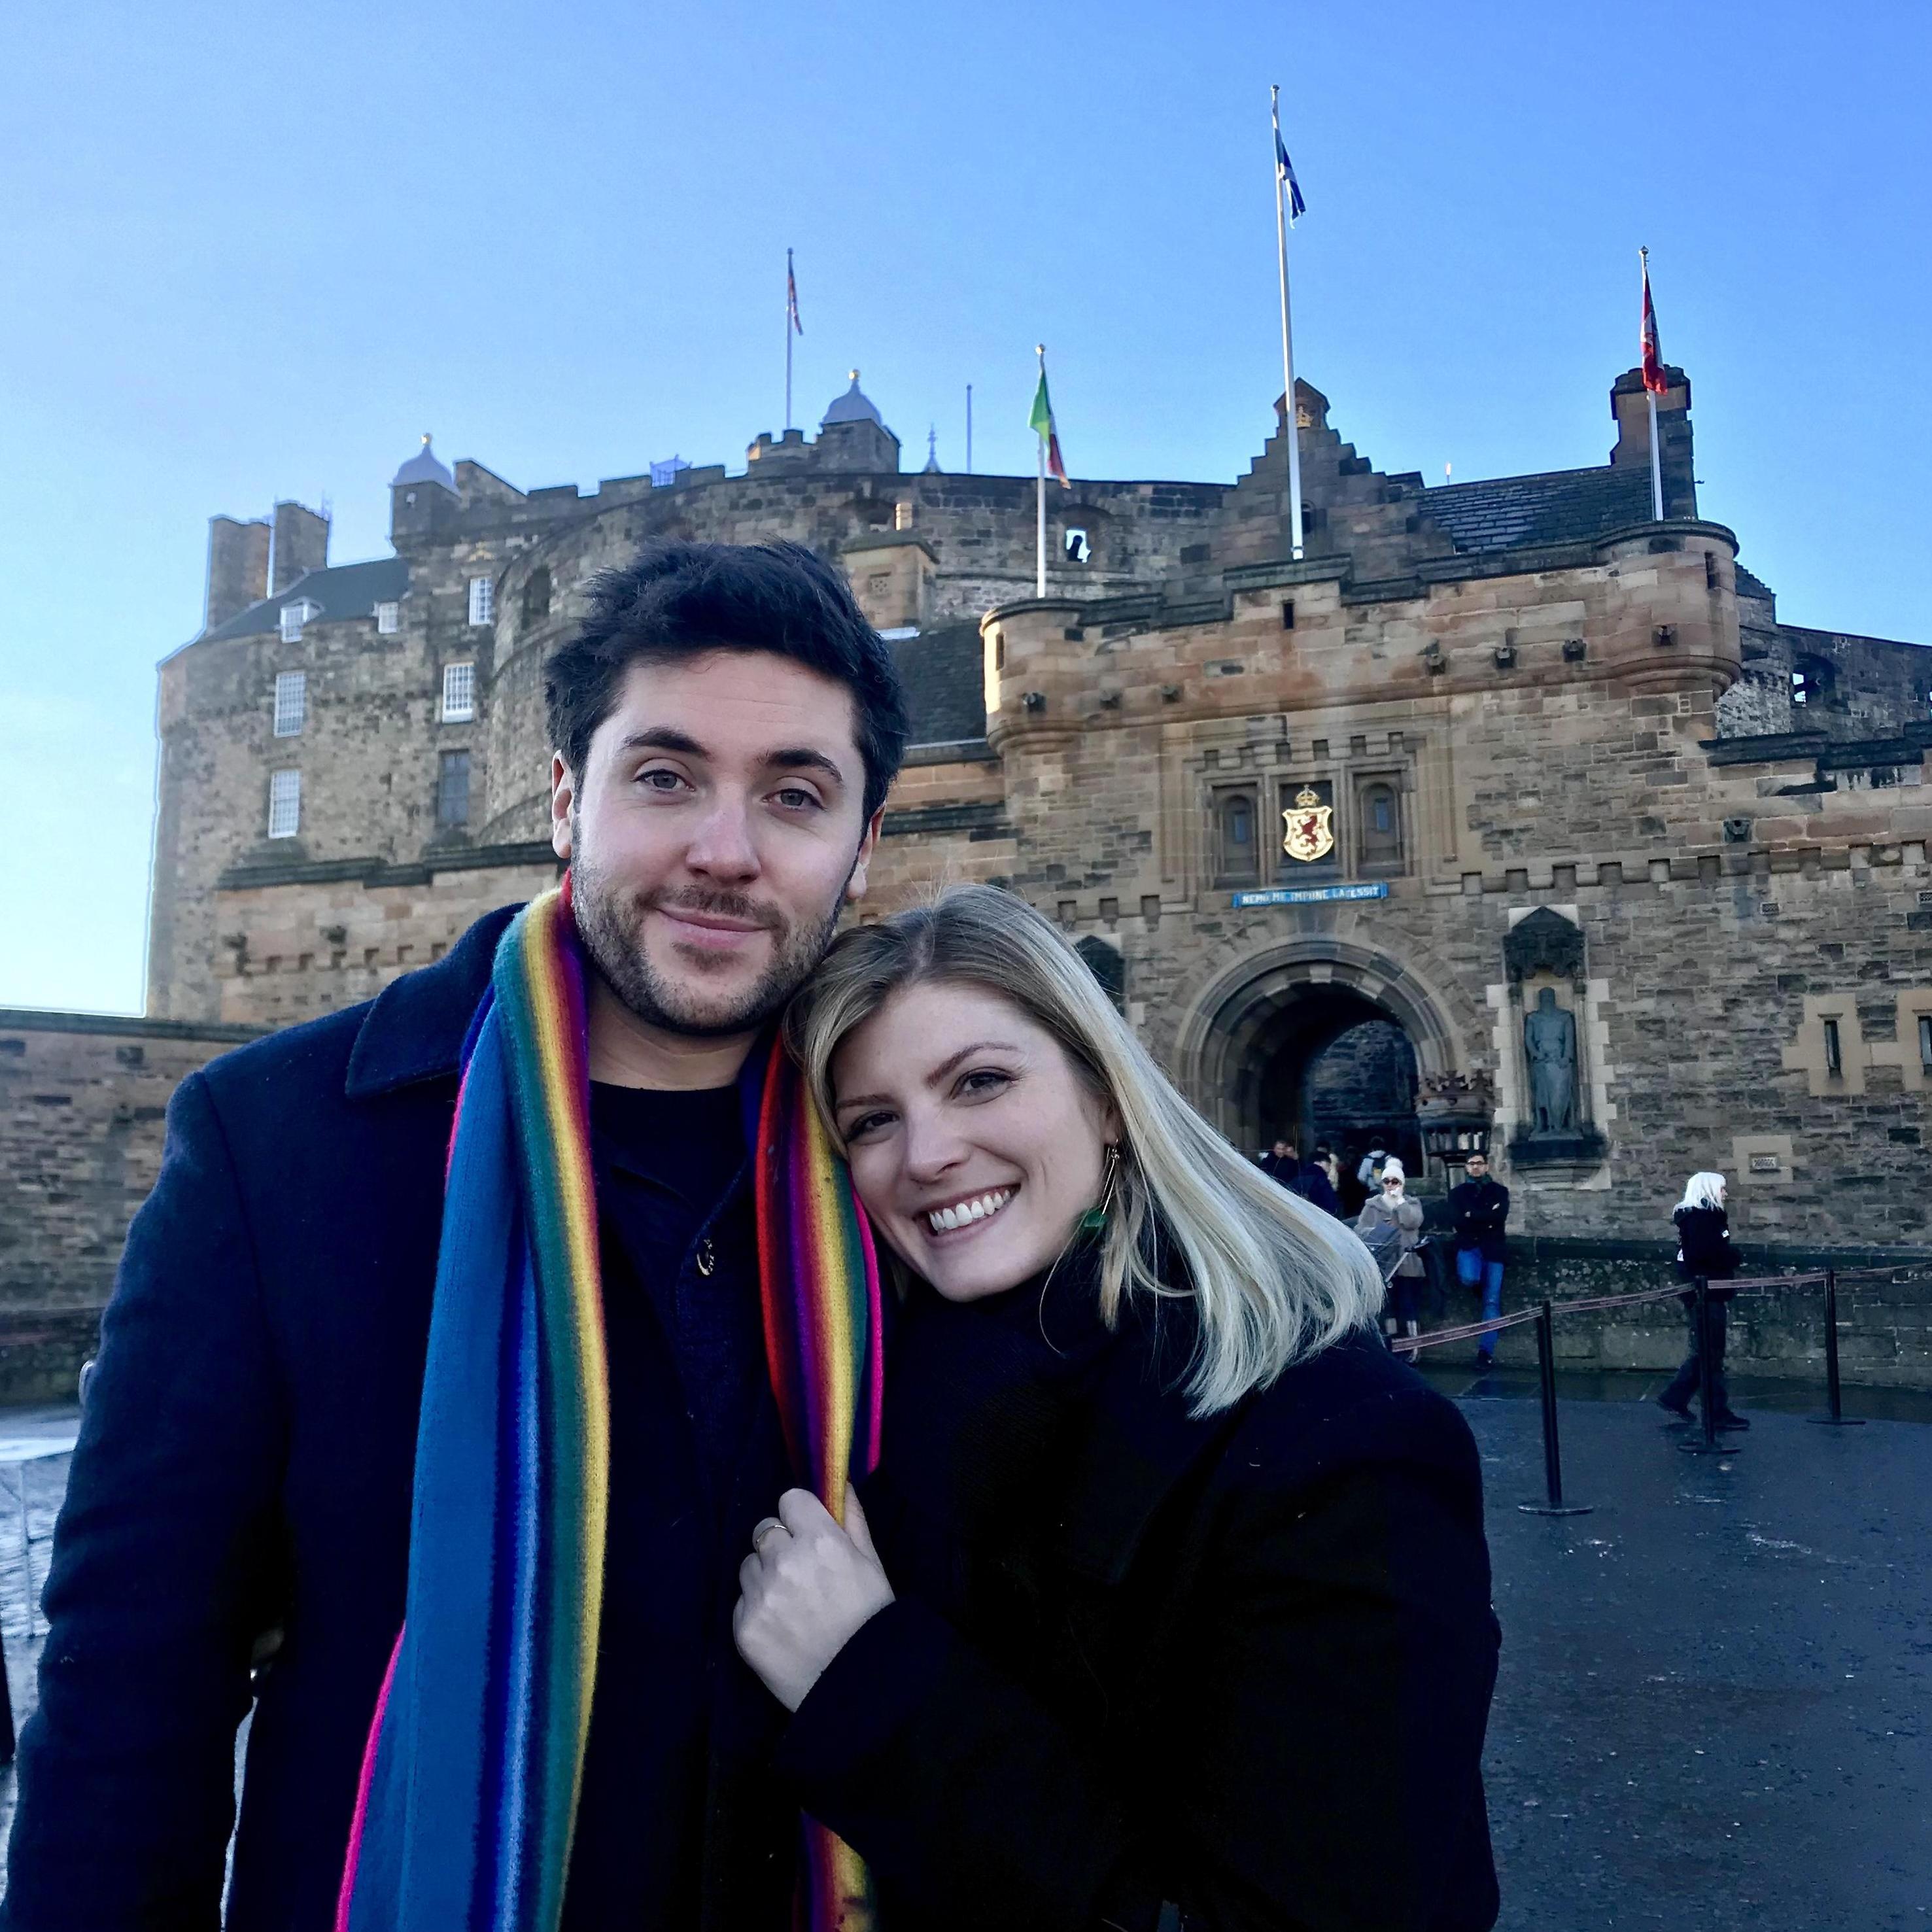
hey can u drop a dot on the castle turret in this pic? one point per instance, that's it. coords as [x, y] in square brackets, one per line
[423, 499]
[852, 435]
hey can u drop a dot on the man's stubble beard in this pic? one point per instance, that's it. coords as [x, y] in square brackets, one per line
[611, 924]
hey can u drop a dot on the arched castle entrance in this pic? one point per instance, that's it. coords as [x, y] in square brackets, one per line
[1316, 1039]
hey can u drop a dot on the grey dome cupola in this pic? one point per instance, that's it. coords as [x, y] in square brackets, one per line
[853, 407]
[425, 467]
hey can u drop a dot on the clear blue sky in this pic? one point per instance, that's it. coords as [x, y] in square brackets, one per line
[252, 253]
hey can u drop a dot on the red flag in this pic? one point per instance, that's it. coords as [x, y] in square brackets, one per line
[1655, 379]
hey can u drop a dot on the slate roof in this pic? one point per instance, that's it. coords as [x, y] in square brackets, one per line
[1561, 506]
[944, 670]
[348, 590]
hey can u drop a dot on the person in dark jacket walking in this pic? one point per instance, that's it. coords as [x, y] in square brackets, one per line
[1704, 1248]
[1281, 1164]
[1171, 1589]
[727, 725]
[1480, 1207]
[1313, 1184]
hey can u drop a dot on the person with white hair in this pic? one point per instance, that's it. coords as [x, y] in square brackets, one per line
[1705, 1249]
[1390, 1228]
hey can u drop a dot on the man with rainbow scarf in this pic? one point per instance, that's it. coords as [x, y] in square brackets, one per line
[465, 1337]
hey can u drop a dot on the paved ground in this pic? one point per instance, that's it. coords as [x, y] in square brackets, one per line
[1712, 1707]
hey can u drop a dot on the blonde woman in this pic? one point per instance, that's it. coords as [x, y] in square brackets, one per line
[1170, 1591]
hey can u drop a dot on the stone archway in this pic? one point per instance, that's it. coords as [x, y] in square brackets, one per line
[1256, 1050]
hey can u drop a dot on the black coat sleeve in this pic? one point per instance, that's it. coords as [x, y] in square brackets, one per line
[1311, 1760]
[161, 1564]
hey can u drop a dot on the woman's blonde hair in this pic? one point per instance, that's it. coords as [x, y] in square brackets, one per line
[1274, 1280]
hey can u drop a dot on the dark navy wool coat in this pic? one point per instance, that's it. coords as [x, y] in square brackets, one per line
[245, 1465]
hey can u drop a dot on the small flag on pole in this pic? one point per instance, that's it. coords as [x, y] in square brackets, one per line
[1284, 168]
[1655, 379]
[791, 295]
[1041, 424]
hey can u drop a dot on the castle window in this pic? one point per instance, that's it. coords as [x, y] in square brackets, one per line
[1237, 846]
[459, 693]
[1077, 549]
[1811, 681]
[452, 789]
[1925, 1042]
[284, 804]
[389, 619]
[536, 595]
[1834, 1054]
[291, 702]
[1378, 824]
[482, 600]
[294, 615]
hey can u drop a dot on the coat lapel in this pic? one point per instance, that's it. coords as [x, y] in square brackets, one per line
[1143, 1443]
[414, 1029]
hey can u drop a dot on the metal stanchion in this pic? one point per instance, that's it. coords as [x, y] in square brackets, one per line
[1836, 1417]
[1552, 1454]
[1705, 1442]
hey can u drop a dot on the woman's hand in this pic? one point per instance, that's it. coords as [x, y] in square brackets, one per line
[804, 1589]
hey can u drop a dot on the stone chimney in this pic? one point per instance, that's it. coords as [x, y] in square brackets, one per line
[1632, 417]
[302, 544]
[237, 568]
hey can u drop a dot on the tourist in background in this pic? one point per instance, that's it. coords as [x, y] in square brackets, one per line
[1324, 1159]
[1704, 1248]
[1391, 1228]
[1316, 1186]
[1280, 1163]
[1480, 1206]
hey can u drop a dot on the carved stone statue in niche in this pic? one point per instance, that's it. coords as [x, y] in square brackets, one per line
[1550, 1046]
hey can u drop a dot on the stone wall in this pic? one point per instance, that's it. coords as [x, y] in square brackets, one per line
[370, 750]
[83, 1098]
[1728, 911]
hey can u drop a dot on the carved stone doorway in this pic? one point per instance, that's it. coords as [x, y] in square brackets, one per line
[1316, 1039]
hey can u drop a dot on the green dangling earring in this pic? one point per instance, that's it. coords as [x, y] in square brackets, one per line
[1095, 1218]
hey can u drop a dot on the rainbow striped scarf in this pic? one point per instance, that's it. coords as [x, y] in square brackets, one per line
[468, 1797]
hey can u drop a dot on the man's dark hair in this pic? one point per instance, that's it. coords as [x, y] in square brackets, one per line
[675, 600]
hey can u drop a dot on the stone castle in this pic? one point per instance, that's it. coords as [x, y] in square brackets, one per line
[1507, 802]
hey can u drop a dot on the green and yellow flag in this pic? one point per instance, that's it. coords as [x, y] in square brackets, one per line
[1041, 423]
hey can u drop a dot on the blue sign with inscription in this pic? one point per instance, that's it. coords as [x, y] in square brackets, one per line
[1310, 894]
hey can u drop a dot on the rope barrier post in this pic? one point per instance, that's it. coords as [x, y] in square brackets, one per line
[1553, 1453]
[1835, 1400]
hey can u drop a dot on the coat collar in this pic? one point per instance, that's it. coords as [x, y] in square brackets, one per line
[414, 1029]
[1144, 1441]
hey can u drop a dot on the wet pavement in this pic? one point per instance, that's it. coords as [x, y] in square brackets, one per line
[1711, 1711]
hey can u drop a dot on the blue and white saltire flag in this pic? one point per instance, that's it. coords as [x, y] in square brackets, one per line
[1284, 168]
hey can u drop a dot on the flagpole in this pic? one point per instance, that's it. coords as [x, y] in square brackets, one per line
[969, 429]
[789, 286]
[1040, 499]
[1287, 347]
[1650, 397]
